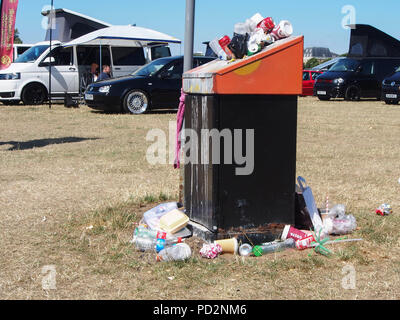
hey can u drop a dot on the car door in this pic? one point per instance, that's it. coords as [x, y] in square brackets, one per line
[126, 60]
[367, 80]
[167, 84]
[64, 73]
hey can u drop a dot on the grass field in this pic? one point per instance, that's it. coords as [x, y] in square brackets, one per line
[73, 182]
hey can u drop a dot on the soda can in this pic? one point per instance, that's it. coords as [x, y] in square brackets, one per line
[304, 243]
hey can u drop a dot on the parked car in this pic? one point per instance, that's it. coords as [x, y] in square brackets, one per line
[355, 78]
[309, 77]
[153, 86]
[391, 88]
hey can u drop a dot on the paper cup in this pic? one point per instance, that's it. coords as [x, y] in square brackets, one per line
[228, 245]
[283, 30]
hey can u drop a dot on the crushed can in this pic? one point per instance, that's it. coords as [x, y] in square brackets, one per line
[305, 242]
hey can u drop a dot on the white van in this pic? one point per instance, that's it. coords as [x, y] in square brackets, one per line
[27, 79]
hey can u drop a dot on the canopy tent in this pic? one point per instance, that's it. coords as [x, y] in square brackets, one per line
[124, 36]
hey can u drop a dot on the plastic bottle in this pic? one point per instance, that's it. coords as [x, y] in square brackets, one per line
[180, 251]
[146, 243]
[273, 247]
[215, 46]
[142, 231]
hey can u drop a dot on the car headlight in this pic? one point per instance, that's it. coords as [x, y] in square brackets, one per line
[10, 76]
[104, 89]
[338, 81]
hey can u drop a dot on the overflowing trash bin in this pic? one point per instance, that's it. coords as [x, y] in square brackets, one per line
[240, 129]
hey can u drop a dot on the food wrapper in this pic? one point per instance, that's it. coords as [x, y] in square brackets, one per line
[210, 250]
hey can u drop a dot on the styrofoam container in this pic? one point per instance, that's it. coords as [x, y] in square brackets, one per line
[173, 221]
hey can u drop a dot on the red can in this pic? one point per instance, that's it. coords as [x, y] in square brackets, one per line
[223, 42]
[267, 25]
[305, 243]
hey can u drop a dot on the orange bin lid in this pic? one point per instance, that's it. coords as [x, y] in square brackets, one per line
[277, 69]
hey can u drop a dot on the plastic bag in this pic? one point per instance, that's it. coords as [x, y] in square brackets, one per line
[152, 217]
[338, 222]
[238, 45]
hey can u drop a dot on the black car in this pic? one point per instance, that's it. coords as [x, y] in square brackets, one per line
[355, 78]
[155, 85]
[391, 88]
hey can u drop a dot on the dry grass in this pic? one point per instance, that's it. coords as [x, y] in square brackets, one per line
[89, 169]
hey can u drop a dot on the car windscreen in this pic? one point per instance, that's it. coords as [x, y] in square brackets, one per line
[397, 70]
[345, 65]
[31, 54]
[151, 68]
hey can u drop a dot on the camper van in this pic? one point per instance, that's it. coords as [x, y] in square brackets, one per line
[27, 79]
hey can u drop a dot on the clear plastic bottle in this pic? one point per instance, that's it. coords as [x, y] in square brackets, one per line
[180, 251]
[273, 247]
[142, 231]
[146, 243]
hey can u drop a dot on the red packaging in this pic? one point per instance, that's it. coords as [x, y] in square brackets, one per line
[304, 243]
[290, 232]
[161, 235]
[223, 42]
[267, 25]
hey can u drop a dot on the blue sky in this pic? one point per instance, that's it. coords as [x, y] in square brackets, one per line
[319, 21]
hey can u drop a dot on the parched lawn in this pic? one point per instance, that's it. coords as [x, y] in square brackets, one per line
[73, 182]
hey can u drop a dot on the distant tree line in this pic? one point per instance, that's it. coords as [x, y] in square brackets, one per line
[17, 39]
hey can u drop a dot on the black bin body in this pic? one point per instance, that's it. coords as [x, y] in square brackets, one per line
[231, 97]
[224, 202]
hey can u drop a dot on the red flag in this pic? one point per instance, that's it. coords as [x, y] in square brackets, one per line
[7, 19]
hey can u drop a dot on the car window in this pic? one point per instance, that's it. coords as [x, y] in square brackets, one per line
[345, 65]
[31, 54]
[314, 75]
[306, 75]
[174, 70]
[368, 68]
[128, 56]
[62, 56]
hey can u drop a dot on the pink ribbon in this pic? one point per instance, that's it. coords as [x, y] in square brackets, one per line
[179, 124]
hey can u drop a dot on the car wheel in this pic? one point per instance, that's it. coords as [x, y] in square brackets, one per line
[352, 93]
[34, 94]
[323, 98]
[136, 102]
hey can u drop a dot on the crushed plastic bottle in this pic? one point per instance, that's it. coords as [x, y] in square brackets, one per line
[180, 251]
[273, 247]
